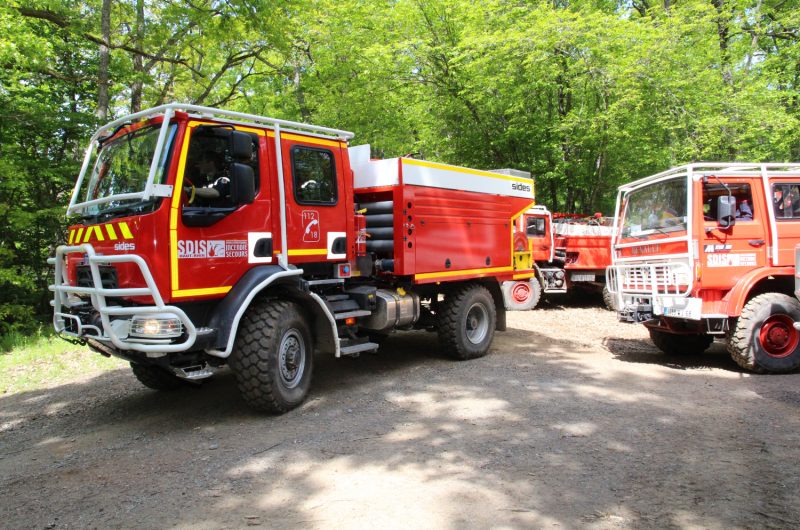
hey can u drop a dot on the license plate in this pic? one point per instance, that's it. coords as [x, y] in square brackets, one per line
[582, 277]
[688, 308]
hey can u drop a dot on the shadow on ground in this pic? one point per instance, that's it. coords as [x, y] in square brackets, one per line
[643, 351]
[538, 433]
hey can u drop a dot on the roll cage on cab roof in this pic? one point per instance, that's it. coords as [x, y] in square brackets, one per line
[168, 112]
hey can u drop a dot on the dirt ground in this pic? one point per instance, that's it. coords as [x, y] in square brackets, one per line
[573, 420]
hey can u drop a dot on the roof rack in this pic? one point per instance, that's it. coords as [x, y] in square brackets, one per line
[212, 113]
[699, 169]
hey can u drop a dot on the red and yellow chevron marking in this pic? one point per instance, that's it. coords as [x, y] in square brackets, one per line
[108, 231]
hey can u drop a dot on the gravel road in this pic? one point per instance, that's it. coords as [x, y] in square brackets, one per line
[573, 420]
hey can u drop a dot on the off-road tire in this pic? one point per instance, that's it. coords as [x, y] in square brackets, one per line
[256, 358]
[536, 292]
[609, 300]
[156, 377]
[458, 316]
[764, 318]
[677, 344]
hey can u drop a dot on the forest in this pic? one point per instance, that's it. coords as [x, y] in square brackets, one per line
[584, 94]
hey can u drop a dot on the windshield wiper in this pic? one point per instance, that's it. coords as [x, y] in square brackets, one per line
[99, 217]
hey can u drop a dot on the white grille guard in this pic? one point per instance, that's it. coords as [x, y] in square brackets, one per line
[98, 295]
[671, 279]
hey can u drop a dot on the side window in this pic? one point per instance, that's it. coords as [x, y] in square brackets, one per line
[314, 175]
[536, 226]
[208, 166]
[744, 200]
[786, 201]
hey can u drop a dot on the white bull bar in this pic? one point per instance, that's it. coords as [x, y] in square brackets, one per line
[98, 295]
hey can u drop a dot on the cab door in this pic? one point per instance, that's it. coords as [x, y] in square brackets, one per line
[729, 253]
[211, 236]
[319, 203]
[539, 230]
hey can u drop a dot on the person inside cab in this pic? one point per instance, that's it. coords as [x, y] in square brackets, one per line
[206, 181]
[743, 210]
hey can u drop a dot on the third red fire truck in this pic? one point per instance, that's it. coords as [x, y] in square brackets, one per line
[570, 251]
[706, 251]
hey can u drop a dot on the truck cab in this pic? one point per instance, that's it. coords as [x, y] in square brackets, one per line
[706, 251]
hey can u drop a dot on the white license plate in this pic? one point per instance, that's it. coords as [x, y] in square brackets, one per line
[689, 308]
[576, 277]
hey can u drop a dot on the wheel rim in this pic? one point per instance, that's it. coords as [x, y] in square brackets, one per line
[477, 324]
[292, 358]
[521, 292]
[778, 337]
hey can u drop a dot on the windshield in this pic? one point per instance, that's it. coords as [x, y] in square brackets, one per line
[659, 208]
[122, 166]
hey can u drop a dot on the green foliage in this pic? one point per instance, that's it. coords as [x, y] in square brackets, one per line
[36, 360]
[585, 94]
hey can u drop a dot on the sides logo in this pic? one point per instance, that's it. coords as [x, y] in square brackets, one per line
[521, 187]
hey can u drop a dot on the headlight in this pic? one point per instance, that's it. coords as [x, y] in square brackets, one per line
[156, 327]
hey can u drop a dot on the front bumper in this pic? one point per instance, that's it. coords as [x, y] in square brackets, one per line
[645, 291]
[112, 327]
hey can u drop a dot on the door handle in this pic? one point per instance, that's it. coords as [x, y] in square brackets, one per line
[756, 242]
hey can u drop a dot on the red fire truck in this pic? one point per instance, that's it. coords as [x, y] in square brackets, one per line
[706, 251]
[204, 237]
[569, 251]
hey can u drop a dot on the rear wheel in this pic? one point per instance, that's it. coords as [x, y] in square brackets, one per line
[675, 344]
[156, 377]
[273, 356]
[764, 338]
[467, 320]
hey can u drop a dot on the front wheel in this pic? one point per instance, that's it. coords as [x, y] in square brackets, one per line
[273, 356]
[675, 344]
[764, 339]
[467, 320]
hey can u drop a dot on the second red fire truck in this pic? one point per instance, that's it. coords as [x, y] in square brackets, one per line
[706, 251]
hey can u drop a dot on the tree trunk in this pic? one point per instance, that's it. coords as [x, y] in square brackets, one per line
[138, 60]
[102, 73]
[299, 93]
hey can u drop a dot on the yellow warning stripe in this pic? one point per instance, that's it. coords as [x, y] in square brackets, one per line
[308, 252]
[201, 292]
[307, 139]
[523, 276]
[173, 214]
[126, 232]
[469, 171]
[463, 272]
[85, 234]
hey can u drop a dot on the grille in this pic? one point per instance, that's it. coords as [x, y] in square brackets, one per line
[668, 279]
[108, 276]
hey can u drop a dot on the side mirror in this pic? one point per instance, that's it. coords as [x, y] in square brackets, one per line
[243, 183]
[726, 211]
[241, 146]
